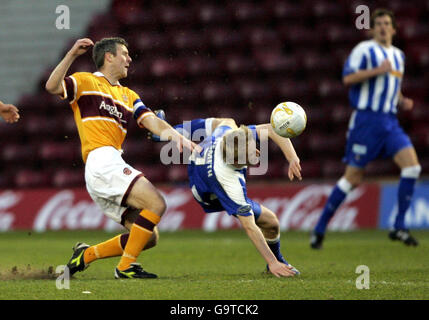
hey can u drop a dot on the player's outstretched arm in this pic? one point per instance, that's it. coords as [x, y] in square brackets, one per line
[255, 234]
[9, 112]
[53, 85]
[287, 148]
[166, 132]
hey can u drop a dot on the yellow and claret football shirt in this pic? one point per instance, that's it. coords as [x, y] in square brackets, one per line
[101, 110]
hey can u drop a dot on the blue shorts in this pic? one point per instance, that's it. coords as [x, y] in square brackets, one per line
[215, 205]
[373, 135]
[208, 192]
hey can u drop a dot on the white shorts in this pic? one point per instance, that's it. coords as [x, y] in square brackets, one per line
[109, 180]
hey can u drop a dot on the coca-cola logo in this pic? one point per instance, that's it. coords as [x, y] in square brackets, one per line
[300, 211]
[8, 200]
[61, 212]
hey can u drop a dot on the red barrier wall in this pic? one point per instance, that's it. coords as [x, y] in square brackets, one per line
[297, 206]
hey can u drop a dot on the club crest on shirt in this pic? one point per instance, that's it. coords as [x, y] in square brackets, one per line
[127, 171]
[125, 98]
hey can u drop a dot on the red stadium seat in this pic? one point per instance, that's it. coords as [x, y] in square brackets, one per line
[267, 38]
[150, 41]
[135, 16]
[64, 178]
[149, 94]
[19, 153]
[217, 92]
[381, 168]
[287, 11]
[246, 11]
[236, 64]
[181, 93]
[291, 90]
[327, 10]
[211, 14]
[27, 178]
[189, 40]
[172, 16]
[103, 25]
[253, 90]
[332, 168]
[328, 88]
[309, 169]
[6, 180]
[65, 151]
[164, 67]
[222, 38]
[202, 66]
[274, 63]
[298, 36]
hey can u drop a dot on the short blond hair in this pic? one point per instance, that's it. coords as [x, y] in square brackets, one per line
[236, 143]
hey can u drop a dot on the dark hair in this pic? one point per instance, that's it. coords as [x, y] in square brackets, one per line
[382, 12]
[103, 46]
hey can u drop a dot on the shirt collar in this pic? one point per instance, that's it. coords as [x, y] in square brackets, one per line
[101, 74]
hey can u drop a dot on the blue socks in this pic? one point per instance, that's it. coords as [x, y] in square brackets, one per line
[275, 248]
[409, 176]
[342, 188]
[405, 193]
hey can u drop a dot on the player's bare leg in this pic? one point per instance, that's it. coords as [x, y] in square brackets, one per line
[270, 227]
[147, 198]
[407, 161]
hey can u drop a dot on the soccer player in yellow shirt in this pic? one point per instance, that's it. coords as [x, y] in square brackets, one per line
[102, 109]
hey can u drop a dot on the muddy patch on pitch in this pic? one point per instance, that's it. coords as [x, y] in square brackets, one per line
[27, 273]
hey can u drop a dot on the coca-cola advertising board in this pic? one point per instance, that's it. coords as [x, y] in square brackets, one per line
[297, 206]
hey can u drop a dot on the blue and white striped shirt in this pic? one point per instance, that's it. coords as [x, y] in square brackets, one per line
[381, 93]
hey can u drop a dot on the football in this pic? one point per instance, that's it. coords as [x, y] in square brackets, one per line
[288, 119]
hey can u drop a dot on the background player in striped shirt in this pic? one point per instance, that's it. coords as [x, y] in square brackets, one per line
[102, 110]
[374, 72]
[8, 112]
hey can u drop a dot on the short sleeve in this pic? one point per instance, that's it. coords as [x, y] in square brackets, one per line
[140, 111]
[357, 60]
[70, 85]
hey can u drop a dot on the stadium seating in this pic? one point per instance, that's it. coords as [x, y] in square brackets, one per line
[226, 59]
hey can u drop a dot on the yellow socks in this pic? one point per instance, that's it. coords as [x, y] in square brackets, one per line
[140, 234]
[110, 248]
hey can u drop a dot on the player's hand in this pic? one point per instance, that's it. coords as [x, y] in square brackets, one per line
[406, 103]
[385, 66]
[294, 169]
[9, 113]
[281, 270]
[81, 46]
[183, 142]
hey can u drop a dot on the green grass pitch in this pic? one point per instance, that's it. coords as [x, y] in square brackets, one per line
[221, 265]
